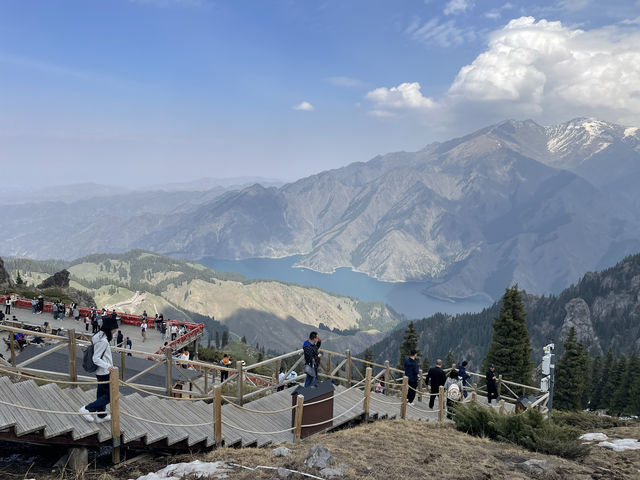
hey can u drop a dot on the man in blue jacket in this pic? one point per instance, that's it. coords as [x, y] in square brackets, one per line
[411, 371]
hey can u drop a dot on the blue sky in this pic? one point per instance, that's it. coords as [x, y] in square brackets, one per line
[138, 92]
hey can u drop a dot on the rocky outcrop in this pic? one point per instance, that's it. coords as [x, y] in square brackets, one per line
[59, 279]
[5, 278]
[579, 317]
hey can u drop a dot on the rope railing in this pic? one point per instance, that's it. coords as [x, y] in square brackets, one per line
[253, 432]
[147, 420]
[42, 410]
[50, 380]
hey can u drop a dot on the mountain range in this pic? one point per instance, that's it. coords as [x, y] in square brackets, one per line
[515, 202]
[603, 307]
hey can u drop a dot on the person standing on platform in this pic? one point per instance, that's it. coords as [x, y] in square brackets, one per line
[492, 388]
[411, 371]
[438, 378]
[312, 356]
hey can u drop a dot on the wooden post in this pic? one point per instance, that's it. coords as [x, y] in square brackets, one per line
[475, 388]
[499, 384]
[73, 369]
[299, 407]
[501, 409]
[387, 377]
[329, 369]
[420, 384]
[206, 380]
[217, 415]
[367, 393]
[239, 385]
[348, 366]
[12, 346]
[114, 393]
[474, 397]
[276, 374]
[168, 371]
[405, 391]
[123, 362]
[441, 404]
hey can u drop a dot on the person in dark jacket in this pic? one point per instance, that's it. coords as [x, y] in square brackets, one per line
[311, 358]
[411, 371]
[492, 388]
[438, 378]
[464, 377]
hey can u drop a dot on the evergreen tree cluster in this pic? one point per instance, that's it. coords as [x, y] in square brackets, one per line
[583, 382]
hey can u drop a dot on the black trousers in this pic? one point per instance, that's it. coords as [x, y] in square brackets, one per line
[492, 393]
[411, 394]
[432, 397]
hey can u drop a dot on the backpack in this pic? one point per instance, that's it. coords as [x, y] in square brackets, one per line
[87, 359]
[453, 392]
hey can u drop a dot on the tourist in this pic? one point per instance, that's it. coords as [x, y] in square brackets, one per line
[128, 345]
[7, 305]
[225, 362]
[163, 330]
[453, 389]
[312, 356]
[143, 329]
[76, 311]
[119, 339]
[411, 371]
[34, 306]
[87, 321]
[54, 310]
[102, 358]
[492, 388]
[437, 377]
[464, 377]
[174, 332]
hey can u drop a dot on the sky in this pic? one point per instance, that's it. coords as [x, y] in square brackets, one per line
[142, 92]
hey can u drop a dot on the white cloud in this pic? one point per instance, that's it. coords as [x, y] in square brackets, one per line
[544, 67]
[406, 96]
[445, 34]
[346, 82]
[496, 13]
[455, 7]
[304, 106]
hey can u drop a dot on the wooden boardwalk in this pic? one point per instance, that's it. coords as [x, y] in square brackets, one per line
[153, 422]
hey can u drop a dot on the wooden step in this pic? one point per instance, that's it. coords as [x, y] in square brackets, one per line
[28, 421]
[40, 397]
[80, 427]
[141, 407]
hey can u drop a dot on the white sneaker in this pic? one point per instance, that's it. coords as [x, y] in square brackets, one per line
[88, 416]
[103, 419]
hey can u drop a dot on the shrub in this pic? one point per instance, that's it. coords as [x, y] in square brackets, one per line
[530, 430]
[587, 422]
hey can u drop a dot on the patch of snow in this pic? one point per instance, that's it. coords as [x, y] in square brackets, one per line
[196, 468]
[630, 132]
[600, 437]
[621, 444]
[593, 127]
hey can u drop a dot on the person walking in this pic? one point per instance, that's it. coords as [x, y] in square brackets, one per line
[411, 371]
[119, 339]
[7, 305]
[453, 389]
[464, 377]
[128, 345]
[34, 305]
[143, 329]
[163, 330]
[102, 358]
[492, 388]
[437, 377]
[225, 362]
[311, 358]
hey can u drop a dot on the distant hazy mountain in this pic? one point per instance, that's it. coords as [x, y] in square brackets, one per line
[603, 307]
[514, 202]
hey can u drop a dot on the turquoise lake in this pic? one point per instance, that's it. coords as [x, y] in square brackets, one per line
[407, 298]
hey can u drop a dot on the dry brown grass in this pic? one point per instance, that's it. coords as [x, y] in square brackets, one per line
[413, 450]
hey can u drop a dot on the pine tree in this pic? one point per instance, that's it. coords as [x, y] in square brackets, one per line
[225, 338]
[243, 339]
[19, 280]
[217, 339]
[425, 364]
[603, 387]
[409, 343]
[596, 382]
[587, 376]
[620, 399]
[510, 350]
[634, 384]
[367, 357]
[449, 360]
[569, 381]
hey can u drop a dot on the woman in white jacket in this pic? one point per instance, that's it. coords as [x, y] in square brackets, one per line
[102, 358]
